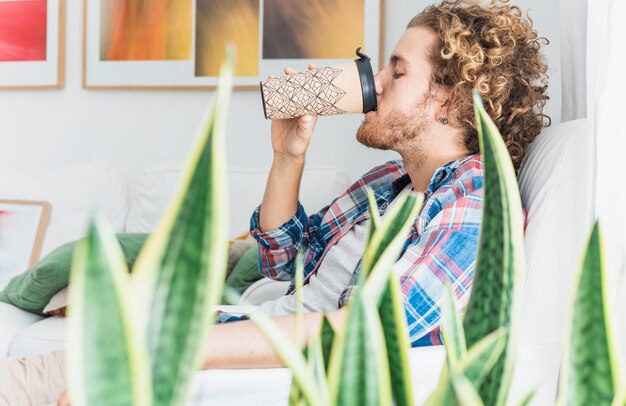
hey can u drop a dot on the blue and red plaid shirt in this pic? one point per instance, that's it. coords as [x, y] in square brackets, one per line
[440, 248]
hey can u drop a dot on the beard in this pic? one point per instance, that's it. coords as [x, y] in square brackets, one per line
[394, 130]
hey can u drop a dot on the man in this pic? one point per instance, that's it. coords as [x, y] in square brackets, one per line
[425, 114]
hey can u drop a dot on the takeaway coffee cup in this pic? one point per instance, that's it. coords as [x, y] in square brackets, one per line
[347, 88]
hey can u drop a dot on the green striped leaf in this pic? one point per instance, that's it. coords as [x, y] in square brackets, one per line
[359, 372]
[292, 357]
[393, 319]
[382, 252]
[327, 340]
[527, 399]
[373, 211]
[107, 361]
[385, 246]
[482, 357]
[474, 365]
[318, 367]
[451, 328]
[494, 301]
[465, 393]
[184, 260]
[590, 371]
[295, 394]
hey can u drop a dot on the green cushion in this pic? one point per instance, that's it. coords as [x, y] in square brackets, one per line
[33, 289]
[246, 272]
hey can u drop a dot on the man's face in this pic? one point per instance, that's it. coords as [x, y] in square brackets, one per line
[405, 106]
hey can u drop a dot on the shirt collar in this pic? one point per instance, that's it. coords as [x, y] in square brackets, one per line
[443, 172]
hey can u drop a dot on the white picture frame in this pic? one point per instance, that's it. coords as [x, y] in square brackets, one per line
[182, 74]
[39, 74]
[22, 229]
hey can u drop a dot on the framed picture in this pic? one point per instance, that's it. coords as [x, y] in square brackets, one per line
[32, 36]
[181, 43]
[22, 229]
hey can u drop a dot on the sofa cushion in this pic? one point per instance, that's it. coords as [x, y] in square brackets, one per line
[42, 337]
[74, 191]
[271, 386]
[553, 183]
[245, 272]
[232, 387]
[156, 187]
[12, 320]
[33, 289]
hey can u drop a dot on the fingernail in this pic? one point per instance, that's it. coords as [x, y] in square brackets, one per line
[306, 118]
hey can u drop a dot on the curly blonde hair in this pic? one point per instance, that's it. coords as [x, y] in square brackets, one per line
[493, 48]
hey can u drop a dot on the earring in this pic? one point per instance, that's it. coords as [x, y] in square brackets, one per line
[444, 121]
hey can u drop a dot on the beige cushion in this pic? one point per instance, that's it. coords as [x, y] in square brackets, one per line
[58, 301]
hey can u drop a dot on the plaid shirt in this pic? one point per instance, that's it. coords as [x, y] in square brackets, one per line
[441, 246]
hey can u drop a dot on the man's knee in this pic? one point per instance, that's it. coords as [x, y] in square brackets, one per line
[32, 381]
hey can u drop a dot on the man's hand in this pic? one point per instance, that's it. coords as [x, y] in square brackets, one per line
[291, 137]
[290, 140]
[64, 400]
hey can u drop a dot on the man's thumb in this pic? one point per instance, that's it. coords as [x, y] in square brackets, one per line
[305, 126]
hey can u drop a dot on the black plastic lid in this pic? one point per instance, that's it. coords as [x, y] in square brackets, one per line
[368, 86]
[263, 100]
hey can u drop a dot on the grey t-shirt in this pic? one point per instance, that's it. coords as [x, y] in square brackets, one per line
[322, 292]
[325, 287]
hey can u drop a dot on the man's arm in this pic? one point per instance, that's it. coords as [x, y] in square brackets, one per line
[290, 140]
[280, 200]
[242, 344]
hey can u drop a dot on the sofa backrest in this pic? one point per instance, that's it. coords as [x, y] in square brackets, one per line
[74, 191]
[553, 183]
[156, 187]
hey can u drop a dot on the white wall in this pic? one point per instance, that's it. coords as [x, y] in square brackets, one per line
[135, 129]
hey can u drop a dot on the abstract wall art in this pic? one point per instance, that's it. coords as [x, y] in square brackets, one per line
[181, 43]
[31, 43]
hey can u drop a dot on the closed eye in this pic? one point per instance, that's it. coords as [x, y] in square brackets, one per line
[397, 75]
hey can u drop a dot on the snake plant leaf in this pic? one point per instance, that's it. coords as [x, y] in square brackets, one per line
[359, 372]
[292, 357]
[475, 365]
[317, 365]
[299, 281]
[309, 352]
[315, 362]
[527, 399]
[381, 287]
[327, 340]
[482, 357]
[464, 391]
[373, 210]
[393, 319]
[452, 329]
[494, 301]
[591, 370]
[184, 261]
[107, 360]
[383, 249]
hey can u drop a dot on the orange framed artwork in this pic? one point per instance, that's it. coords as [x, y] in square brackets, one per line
[31, 43]
[181, 43]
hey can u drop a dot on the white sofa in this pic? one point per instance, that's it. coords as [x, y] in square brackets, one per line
[558, 223]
